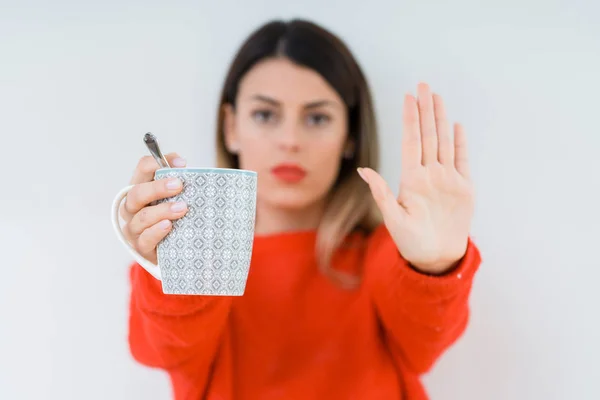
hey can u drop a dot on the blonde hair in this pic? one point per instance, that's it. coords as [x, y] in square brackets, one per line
[350, 206]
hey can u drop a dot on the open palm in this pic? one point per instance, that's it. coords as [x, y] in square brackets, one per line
[430, 218]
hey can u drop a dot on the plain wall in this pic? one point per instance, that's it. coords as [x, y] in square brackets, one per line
[81, 82]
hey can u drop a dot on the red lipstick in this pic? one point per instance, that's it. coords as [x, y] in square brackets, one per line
[290, 173]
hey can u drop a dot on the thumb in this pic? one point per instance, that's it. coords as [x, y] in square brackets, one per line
[384, 198]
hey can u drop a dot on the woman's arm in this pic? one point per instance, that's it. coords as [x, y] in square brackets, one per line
[422, 315]
[177, 333]
[428, 223]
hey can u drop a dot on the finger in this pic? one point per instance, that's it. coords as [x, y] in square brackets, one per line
[411, 135]
[127, 216]
[149, 216]
[427, 123]
[147, 166]
[461, 160]
[445, 150]
[382, 194]
[145, 193]
[148, 240]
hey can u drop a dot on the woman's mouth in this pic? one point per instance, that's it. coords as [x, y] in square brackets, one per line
[289, 173]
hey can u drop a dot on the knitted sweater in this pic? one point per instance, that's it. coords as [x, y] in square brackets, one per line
[294, 334]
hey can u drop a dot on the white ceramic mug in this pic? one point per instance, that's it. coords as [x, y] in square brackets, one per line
[208, 250]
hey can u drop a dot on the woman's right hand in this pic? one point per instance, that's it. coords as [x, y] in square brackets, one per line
[147, 225]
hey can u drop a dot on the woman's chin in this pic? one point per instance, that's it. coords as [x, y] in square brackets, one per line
[290, 200]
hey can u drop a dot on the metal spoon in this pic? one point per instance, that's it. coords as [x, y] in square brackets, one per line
[152, 144]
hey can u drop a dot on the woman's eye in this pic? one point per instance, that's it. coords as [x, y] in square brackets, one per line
[317, 119]
[263, 116]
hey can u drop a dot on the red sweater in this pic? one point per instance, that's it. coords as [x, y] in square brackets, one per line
[296, 335]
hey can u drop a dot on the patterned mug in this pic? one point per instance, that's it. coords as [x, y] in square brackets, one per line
[208, 250]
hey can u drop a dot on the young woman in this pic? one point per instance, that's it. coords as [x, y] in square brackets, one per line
[353, 293]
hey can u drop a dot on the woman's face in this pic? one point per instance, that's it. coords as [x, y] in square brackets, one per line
[290, 126]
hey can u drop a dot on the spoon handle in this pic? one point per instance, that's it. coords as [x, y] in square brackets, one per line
[152, 144]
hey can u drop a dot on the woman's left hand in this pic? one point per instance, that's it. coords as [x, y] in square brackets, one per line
[430, 219]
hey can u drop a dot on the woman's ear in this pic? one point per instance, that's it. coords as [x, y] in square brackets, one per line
[229, 129]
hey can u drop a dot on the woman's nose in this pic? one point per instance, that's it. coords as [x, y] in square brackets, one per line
[289, 138]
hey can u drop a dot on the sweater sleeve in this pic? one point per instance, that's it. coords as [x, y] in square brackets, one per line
[421, 315]
[177, 333]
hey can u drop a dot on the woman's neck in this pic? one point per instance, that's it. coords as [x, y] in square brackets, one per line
[271, 220]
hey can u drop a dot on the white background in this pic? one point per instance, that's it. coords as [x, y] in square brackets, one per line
[81, 82]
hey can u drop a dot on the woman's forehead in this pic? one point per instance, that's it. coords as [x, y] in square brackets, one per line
[285, 82]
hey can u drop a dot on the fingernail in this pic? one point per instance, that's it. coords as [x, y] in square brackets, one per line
[164, 224]
[178, 162]
[360, 172]
[179, 206]
[173, 183]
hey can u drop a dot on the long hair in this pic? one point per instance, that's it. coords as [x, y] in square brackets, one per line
[350, 206]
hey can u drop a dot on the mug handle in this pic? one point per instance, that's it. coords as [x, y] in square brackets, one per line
[152, 268]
